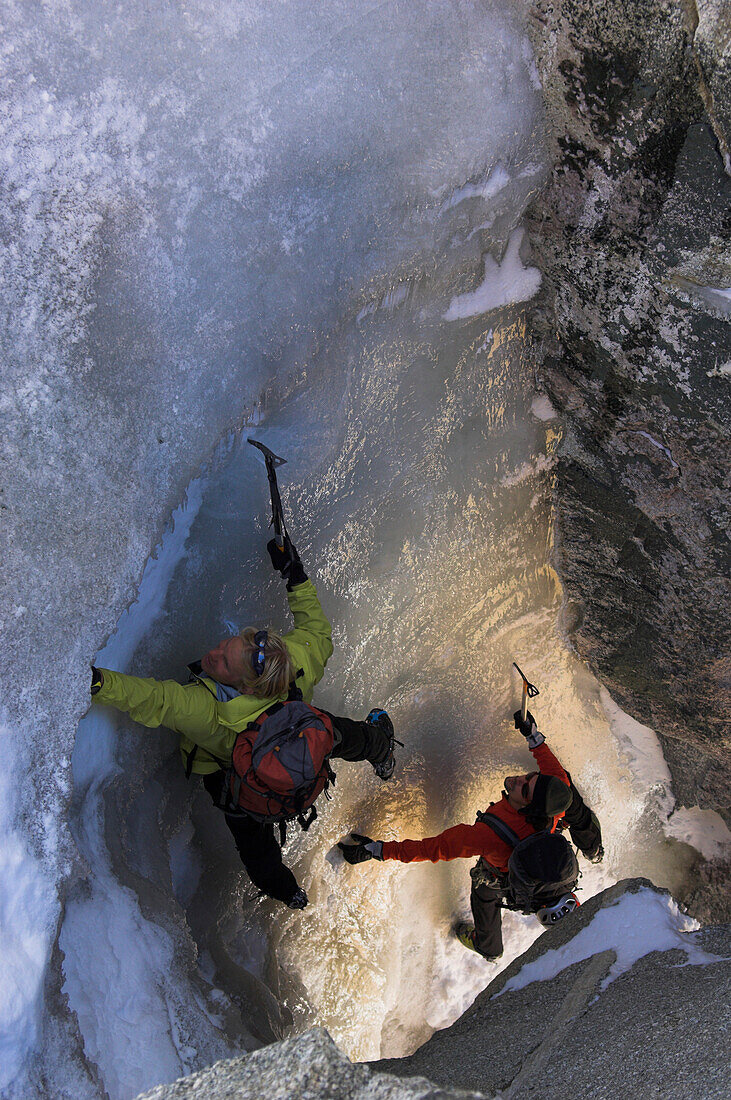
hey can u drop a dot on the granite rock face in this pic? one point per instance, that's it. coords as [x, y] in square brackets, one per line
[632, 234]
[307, 1068]
[656, 1030]
[712, 46]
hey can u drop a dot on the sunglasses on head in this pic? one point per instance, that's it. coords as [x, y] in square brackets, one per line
[258, 657]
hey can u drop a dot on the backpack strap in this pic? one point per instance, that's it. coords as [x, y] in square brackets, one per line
[261, 718]
[237, 780]
[294, 694]
[500, 827]
[190, 760]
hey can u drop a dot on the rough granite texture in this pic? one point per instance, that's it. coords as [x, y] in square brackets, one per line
[712, 47]
[307, 1068]
[660, 1029]
[630, 233]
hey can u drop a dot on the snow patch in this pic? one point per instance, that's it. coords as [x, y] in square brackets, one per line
[111, 956]
[644, 754]
[530, 64]
[111, 951]
[27, 926]
[660, 447]
[503, 284]
[486, 344]
[539, 465]
[492, 185]
[542, 408]
[704, 830]
[632, 927]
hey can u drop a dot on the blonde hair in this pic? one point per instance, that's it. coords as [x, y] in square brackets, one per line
[278, 670]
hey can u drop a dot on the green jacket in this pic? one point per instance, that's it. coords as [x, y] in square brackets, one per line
[193, 710]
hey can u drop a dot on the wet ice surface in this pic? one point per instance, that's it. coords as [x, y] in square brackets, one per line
[195, 202]
[425, 527]
[226, 210]
[418, 631]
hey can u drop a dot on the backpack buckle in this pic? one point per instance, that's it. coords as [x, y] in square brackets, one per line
[305, 822]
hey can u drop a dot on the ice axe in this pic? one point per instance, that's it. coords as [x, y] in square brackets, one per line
[277, 520]
[529, 692]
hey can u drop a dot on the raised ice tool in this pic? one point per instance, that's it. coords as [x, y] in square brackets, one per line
[277, 520]
[529, 692]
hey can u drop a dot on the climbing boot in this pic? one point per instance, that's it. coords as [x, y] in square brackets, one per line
[377, 717]
[465, 933]
[298, 900]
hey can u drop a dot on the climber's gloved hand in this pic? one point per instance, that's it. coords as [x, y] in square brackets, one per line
[364, 849]
[97, 680]
[529, 729]
[597, 856]
[286, 561]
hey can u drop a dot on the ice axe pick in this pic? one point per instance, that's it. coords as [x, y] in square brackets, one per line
[272, 461]
[529, 692]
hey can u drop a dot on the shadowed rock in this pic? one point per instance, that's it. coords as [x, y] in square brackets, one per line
[632, 236]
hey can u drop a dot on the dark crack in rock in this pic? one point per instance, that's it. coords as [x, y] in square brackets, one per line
[712, 46]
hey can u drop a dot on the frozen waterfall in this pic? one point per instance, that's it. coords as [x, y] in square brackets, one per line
[301, 220]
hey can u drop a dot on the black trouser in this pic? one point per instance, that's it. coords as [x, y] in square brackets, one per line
[257, 842]
[258, 847]
[358, 740]
[487, 913]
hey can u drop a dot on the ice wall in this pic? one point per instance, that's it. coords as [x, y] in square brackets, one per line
[195, 202]
[304, 217]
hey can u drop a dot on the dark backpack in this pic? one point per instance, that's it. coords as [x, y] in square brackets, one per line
[280, 763]
[541, 870]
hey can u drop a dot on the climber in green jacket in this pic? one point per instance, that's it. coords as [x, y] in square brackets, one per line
[232, 685]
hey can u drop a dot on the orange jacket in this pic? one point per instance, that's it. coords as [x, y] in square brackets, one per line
[463, 841]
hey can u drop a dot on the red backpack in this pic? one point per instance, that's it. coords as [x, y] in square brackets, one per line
[280, 763]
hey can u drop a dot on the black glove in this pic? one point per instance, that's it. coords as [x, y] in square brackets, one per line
[365, 849]
[529, 729]
[287, 562]
[97, 679]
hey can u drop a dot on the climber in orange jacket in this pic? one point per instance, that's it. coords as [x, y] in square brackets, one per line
[531, 803]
